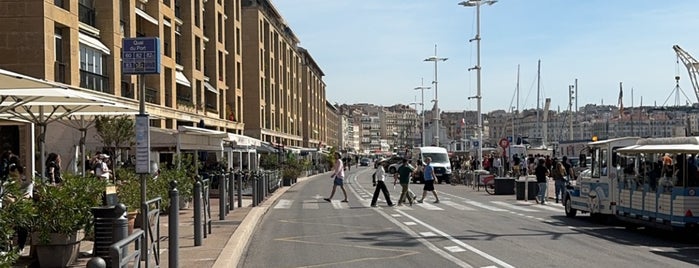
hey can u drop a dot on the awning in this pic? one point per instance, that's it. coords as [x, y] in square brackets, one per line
[93, 43]
[266, 147]
[147, 17]
[210, 88]
[241, 140]
[182, 79]
[187, 139]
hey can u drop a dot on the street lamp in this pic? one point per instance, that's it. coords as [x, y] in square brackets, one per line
[422, 114]
[435, 118]
[478, 97]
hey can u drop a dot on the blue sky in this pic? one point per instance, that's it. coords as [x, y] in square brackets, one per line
[373, 51]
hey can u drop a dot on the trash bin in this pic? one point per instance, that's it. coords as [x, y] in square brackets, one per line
[532, 191]
[108, 229]
[504, 186]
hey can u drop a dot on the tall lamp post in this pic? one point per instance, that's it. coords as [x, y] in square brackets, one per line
[422, 114]
[478, 97]
[435, 117]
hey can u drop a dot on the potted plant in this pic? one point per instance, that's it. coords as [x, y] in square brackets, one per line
[14, 212]
[60, 216]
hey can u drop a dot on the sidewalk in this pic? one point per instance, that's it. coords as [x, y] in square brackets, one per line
[222, 248]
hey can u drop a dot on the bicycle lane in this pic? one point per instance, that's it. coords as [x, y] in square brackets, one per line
[420, 225]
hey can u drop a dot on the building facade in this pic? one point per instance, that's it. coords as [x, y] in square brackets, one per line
[333, 124]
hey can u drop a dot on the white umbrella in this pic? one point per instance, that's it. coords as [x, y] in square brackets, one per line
[42, 102]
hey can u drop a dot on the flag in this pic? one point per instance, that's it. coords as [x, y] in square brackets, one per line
[621, 100]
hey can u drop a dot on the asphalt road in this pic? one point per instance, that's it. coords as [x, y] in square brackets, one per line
[467, 228]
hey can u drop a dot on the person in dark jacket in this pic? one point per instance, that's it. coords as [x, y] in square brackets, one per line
[541, 173]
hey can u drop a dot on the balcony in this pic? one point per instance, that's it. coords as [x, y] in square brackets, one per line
[86, 15]
[94, 81]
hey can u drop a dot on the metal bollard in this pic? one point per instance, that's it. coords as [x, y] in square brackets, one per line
[254, 190]
[120, 229]
[96, 262]
[239, 178]
[173, 226]
[231, 191]
[197, 214]
[222, 196]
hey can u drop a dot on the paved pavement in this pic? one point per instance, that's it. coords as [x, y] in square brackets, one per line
[222, 248]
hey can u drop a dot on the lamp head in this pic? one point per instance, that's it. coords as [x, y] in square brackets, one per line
[435, 58]
[473, 3]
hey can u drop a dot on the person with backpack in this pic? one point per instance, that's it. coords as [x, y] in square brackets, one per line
[558, 173]
[378, 181]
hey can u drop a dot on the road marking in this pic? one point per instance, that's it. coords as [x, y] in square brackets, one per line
[429, 206]
[551, 208]
[318, 196]
[512, 206]
[459, 242]
[310, 204]
[336, 204]
[458, 206]
[428, 234]
[429, 245]
[481, 205]
[454, 249]
[284, 204]
[396, 215]
[409, 223]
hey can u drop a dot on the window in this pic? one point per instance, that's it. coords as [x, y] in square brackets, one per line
[59, 3]
[220, 66]
[238, 76]
[237, 41]
[197, 52]
[219, 29]
[86, 12]
[92, 69]
[60, 66]
[197, 11]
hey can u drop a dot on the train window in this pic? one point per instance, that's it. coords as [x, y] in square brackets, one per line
[604, 162]
[595, 155]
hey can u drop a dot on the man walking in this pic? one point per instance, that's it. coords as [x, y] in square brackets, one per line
[429, 179]
[378, 181]
[541, 173]
[404, 172]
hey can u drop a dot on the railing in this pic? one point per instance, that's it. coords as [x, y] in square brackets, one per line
[86, 14]
[152, 231]
[94, 81]
[119, 251]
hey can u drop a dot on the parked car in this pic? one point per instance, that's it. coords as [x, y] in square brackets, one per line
[387, 162]
[364, 162]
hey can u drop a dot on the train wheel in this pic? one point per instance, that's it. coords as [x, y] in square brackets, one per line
[570, 211]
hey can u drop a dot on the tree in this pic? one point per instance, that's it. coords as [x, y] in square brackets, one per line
[115, 132]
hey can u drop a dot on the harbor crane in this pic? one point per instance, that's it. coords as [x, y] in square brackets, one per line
[692, 66]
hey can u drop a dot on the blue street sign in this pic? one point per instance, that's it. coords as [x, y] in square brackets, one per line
[475, 144]
[141, 55]
[509, 138]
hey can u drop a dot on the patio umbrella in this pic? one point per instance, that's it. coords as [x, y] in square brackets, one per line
[42, 102]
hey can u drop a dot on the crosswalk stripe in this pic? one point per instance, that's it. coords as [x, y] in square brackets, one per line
[310, 204]
[481, 205]
[284, 204]
[337, 204]
[512, 206]
[556, 208]
[429, 206]
[458, 206]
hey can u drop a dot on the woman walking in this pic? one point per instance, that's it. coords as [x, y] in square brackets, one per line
[338, 178]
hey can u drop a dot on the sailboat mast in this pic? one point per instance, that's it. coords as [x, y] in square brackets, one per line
[513, 136]
[538, 95]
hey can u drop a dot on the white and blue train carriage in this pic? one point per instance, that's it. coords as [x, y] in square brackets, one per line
[658, 183]
[597, 193]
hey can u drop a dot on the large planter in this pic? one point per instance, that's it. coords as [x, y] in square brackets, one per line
[131, 217]
[60, 251]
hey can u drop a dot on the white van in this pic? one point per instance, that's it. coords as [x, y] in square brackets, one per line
[440, 162]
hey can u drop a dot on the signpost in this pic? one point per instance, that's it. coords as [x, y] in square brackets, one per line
[141, 56]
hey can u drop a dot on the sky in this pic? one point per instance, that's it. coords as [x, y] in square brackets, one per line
[373, 51]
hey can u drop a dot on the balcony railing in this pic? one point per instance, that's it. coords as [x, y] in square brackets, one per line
[94, 81]
[60, 72]
[86, 14]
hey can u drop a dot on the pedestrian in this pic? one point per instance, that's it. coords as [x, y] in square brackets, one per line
[378, 181]
[558, 174]
[53, 169]
[402, 176]
[338, 177]
[541, 173]
[428, 178]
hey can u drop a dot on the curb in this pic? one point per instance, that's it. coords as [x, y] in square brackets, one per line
[238, 242]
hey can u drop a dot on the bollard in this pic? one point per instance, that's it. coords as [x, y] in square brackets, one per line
[239, 178]
[231, 189]
[254, 190]
[120, 229]
[96, 262]
[222, 197]
[197, 214]
[173, 226]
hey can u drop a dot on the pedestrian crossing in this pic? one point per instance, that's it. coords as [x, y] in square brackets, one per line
[443, 205]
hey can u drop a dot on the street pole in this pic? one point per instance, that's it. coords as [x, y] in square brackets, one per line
[422, 115]
[477, 4]
[435, 116]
